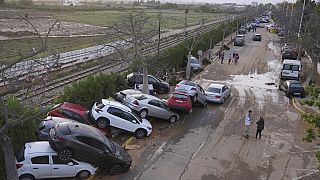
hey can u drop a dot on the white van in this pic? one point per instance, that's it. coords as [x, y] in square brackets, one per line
[290, 69]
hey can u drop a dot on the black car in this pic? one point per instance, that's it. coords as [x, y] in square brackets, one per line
[158, 86]
[289, 53]
[86, 143]
[48, 123]
[293, 88]
[256, 37]
[238, 41]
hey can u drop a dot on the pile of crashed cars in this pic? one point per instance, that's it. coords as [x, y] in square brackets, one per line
[75, 141]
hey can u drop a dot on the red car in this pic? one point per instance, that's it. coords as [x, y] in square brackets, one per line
[180, 101]
[75, 112]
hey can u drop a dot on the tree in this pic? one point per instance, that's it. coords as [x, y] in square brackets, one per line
[134, 28]
[12, 83]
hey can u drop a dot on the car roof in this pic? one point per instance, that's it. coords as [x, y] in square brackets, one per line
[293, 62]
[74, 107]
[86, 130]
[148, 96]
[240, 35]
[257, 34]
[38, 147]
[216, 85]
[116, 104]
[57, 119]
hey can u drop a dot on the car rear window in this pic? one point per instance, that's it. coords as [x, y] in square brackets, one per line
[64, 128]
[139, 96]
[100, 105]
[296, 85]
[189, 83]
[20, 154]
[180, 96]
[214, 90]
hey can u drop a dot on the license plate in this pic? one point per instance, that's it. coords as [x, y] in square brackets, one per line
[296, 93]
[179, 101]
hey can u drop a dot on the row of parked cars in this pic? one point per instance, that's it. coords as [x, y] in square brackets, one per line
[75, 141]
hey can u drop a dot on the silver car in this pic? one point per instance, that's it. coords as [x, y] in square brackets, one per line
[218, 93]
[195, 91]
[195, 65]
[148, 105]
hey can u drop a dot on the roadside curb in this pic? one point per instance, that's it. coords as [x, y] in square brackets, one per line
[296, 107]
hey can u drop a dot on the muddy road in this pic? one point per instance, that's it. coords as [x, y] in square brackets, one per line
[209, 143]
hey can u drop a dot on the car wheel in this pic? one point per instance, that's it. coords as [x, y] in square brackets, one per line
[144, 113]
[26, 177]
[173, 119]
[222, 101]
[195, 98]
[102, 123]
[205, 104]
[140, 133]
[83, 174]
[65, 154]
[115, 169]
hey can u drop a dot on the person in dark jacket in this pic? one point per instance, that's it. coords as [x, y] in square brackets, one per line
[260, 127]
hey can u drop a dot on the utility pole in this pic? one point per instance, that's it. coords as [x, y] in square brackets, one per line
[159, 29]
[299, 31]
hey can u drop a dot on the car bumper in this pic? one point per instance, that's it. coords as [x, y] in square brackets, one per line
[180, 108]
[212, 99]
[289, 77]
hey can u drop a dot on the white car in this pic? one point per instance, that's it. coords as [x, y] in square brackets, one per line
[148, 105]
[218, 93]
[37, 160]
[195, 91]
[115, 114]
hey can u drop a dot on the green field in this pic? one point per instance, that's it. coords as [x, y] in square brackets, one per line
[171, 19]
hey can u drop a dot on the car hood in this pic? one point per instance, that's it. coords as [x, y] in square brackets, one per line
[121, 153]
[146, 123]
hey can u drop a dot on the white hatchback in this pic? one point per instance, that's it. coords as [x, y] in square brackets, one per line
[115, 114]
[37, 160]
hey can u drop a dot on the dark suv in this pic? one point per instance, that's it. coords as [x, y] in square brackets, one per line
[158, 86]
[293, 88]
[86, 143]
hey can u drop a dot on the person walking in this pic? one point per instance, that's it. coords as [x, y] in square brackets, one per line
[260, 127]
[222, 57]
[247, 124]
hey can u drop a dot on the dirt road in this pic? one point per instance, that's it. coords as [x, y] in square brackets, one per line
[209, 143]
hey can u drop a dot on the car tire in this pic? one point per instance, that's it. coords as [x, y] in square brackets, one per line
[140, 133]
[83, 174]
[222, 101]
[194, 98]
[102, 123]
[65, 154]
[143, 113]
[205, 104]
[115, 169]
[26, 177]
[173, 119]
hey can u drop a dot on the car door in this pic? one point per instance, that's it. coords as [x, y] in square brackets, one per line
[62, 168]
[93, 150]
[116, 118]
[156, 109]
[201, 95]
[131, 124]
[41, 168]
[154, 82]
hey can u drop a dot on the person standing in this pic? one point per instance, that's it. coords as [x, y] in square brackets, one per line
[260, 127]
[247, 124]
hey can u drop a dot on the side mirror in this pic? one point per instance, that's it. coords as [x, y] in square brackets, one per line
[134, 121]
[70, 163]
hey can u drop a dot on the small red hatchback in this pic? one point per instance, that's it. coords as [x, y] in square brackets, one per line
[180, 101]
[75, 112]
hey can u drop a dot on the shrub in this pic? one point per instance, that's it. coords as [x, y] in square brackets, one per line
[88, 91]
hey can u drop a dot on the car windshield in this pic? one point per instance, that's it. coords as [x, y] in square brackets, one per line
[238, 39]
[257, 35]
[20, 154]
[180, 96]
[214, 90]
[296, 85]
[100, 105]
[139, 96]
[193, 61]
[136, 116]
